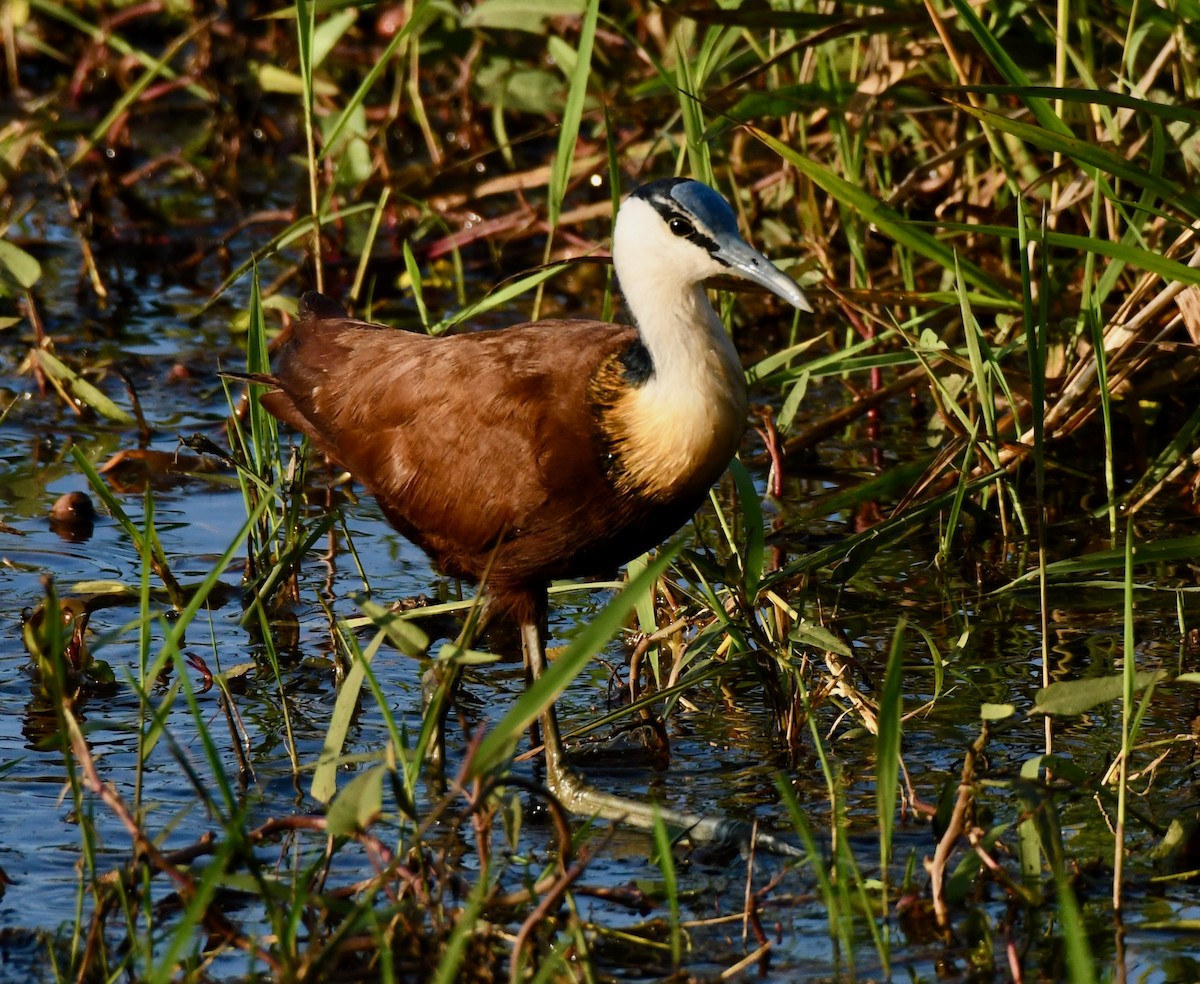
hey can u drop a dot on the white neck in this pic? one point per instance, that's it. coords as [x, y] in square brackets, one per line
[685, 422]
[689, 347]
[662, 278]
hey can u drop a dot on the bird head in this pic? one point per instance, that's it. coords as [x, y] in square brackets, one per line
[680, 231]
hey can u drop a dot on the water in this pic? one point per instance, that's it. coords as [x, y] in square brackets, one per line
[722, 761]
[977, 648]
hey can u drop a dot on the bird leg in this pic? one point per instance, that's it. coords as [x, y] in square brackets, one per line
[586, 800]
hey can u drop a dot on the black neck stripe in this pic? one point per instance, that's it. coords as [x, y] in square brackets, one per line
[639, 367]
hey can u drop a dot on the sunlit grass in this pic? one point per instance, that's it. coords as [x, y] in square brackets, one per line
[1010, 245]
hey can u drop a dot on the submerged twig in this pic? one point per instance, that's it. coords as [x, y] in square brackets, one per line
[955, 828]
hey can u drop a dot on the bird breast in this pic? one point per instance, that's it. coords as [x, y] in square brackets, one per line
[671, 437]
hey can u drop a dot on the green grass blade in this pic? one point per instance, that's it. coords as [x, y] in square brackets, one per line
[1081, 962]
[1146, 108]
[1098, 161]
[753, 531]
[80, 388]
[568, 134]
[102, 36]
[995, 50]
[499, 297]
[463, 933]
[415, 22]
[497, 745]
[887, 755]
[1128, 685]
[1153, 552]
[324, 780]
[666, 864]
[886, 218]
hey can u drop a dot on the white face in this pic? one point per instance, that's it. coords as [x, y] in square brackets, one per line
[646, 251]
[698, 240]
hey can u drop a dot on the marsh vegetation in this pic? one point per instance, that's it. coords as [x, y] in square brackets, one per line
[937, 626]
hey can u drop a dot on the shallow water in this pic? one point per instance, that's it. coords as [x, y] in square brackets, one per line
[722, 758]
[721, 761]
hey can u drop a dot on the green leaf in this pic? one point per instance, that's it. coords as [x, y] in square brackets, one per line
[450, 652]
[403, 633]
[324, 780]
[791, 403]
[1155, 552]
[537, 91]
[568, 134]
[532, 16]
[752, 530]
[497, 744]
[1088, 155]
[110, 38]
[272, 78]
[80, 388]
[887, 746]
[995, 49]
[133, 93]
[416, 283]
[415, 22]
[996, 712]
[18, 270]
[1090, 97]
[887, 219]
[499, 297]
[329, 32]
[1135, 256]
[562, 55]
[353, 153]
[1069, 697]
[820, 638]
[359, 804]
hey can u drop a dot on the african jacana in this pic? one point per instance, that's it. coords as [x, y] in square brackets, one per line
[556, 449]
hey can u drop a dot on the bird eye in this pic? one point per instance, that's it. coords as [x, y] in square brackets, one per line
[681, 227]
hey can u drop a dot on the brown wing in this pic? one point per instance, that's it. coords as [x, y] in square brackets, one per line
[483, 448]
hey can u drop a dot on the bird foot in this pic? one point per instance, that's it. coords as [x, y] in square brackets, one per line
[581, 798]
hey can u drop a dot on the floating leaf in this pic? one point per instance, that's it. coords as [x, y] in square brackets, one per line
[996, 712]
[1077, 696]
[238, 671]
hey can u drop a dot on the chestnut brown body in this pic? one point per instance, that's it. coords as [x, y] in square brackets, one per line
[485, 453]
[552, 449]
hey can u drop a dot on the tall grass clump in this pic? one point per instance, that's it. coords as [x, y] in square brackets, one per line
[919, 628]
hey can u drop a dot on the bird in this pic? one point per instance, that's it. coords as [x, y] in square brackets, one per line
[552, 449]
